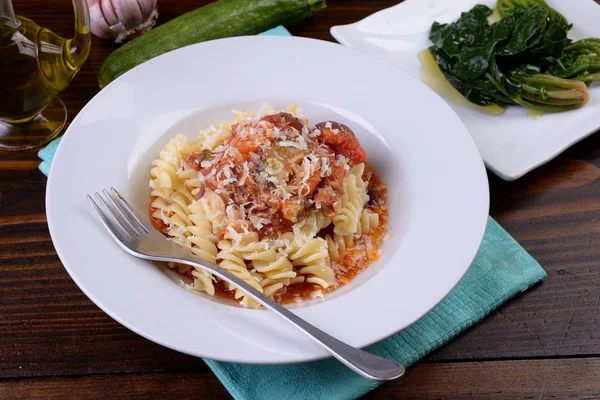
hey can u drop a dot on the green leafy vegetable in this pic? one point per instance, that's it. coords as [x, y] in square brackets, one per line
[526, 58]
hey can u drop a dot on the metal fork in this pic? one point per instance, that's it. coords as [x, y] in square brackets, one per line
[141, 240]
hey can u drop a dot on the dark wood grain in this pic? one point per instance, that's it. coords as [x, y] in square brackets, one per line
[495, 380]
[520, 379]
[55, 343]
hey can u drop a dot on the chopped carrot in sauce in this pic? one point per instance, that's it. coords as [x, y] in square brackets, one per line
[275, 170]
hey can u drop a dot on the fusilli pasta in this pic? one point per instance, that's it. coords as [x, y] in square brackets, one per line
[233, 262]
[271, 200]
[313, 262]
[351, 203]
[369, 222]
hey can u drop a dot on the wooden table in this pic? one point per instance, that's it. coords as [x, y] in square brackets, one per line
[55, 343]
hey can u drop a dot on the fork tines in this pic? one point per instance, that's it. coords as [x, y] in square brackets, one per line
[117, 215]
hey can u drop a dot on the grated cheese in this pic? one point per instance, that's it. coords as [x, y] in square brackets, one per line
[290, 143]
[235, 236]
[227, 171]
[306, 166]
[304, 186]
[233, 151]
[325, 169]
[245, 174]
[243, 210]
[317, 294]
[259, 222]
[271, 171]
[255, 157]
[342, 159]
[251, 209]
[302, 141]
[207, 163]
[229, 211]
[220, 149]
[228, 181]
[282, 192]
[170, 158]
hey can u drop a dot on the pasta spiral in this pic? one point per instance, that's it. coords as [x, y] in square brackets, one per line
[273, 269]
[309, 227]
[336, 245]
[351, 203]
[369, 221]
[277, 269]
[166, 186]
[233, 262]
[313, 260]
[212, 208]
[165, 168]
[195, 233]
[173, 203]
[211, 138]
[201, 233]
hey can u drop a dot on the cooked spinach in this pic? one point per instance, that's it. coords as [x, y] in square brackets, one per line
[526, 58]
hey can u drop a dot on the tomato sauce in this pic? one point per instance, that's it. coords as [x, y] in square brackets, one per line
[323, 191]
[353, 261]
[157, 223]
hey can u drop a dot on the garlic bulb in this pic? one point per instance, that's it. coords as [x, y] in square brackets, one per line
[122, 19]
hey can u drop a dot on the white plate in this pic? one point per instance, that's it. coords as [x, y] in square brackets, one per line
[437, 190]
[511, 144]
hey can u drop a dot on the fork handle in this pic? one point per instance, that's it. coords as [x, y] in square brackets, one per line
[366, 364]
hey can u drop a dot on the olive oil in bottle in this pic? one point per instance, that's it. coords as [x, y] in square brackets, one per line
[35, 65]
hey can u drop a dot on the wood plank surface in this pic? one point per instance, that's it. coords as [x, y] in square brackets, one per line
[495, 380]
[55, 342]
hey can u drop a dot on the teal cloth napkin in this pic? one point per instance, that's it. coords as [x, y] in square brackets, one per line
[501, 269]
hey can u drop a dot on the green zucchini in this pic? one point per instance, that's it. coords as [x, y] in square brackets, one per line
[223, 18]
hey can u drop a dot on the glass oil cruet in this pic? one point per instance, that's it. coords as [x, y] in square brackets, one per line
[35, 65]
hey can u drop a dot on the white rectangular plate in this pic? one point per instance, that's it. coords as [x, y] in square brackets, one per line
[511, 144]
